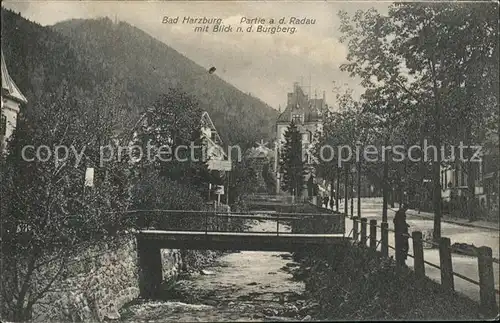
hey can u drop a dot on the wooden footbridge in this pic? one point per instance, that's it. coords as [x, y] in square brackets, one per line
[215, 231]
[176, 229]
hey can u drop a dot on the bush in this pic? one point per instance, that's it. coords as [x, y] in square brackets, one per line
[153, 192]
[355, 284]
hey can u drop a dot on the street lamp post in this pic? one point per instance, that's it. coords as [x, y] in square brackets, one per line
[346, 198]
[359, 188]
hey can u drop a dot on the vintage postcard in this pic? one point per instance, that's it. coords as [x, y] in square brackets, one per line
[165, 161]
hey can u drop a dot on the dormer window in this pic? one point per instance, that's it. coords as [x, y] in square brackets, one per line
[297, 118]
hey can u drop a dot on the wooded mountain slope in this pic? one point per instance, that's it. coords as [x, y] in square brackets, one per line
[97, 54]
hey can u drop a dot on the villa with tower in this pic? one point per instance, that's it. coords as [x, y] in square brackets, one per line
[307, 113]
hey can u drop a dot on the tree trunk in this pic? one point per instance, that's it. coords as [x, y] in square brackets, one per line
[359, 188]
[352, 194]
[346, 190]
[471, 184]
[385, 186]
[337, 196]
[332, 190]
[401, 195]
[436, 166]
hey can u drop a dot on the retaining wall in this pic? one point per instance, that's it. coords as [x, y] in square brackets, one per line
[103, 279]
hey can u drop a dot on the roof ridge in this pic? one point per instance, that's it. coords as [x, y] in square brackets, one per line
[9, 85]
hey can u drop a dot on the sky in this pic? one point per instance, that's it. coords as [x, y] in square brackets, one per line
[262, 64]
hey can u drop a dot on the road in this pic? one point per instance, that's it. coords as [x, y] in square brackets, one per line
[464, 265]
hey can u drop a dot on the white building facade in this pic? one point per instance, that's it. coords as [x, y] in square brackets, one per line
[12, 100]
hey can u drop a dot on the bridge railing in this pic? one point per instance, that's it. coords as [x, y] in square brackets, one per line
[213, 221]
[275, 198]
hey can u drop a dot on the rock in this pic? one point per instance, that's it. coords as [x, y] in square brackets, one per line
[112, 316]
[292, 264]
[307, 318]
[290, 311]
[464, 248]
[308, 308]
[206, 272]
[252, 284]
[276, 318]
[271, 312]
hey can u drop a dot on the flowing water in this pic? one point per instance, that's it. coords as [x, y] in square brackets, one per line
[241, 286]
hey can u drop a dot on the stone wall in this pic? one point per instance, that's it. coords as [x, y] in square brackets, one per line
[103, 279]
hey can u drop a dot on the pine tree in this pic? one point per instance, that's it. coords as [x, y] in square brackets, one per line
[292, 163]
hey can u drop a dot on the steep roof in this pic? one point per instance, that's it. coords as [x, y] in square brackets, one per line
[300, 103]
[206, 121]
[9, 88]
[259, 152]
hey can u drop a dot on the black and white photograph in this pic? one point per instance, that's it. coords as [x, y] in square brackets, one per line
[267, 161]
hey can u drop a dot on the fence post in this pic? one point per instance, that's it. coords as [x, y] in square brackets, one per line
[206, 222]
[373, 234]
[446, 264]
[385, 239]
[418, 254]
[277, 224]
[363, 231]
[486, 281]
[400, 261]
[355, 228]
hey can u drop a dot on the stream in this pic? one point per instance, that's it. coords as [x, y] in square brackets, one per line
[240, 286]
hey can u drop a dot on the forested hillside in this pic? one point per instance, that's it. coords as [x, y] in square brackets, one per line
[93, 55]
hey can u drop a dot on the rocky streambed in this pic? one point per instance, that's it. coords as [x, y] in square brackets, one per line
[240, 286]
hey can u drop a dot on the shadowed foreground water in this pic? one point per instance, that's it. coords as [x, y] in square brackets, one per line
[242, 286]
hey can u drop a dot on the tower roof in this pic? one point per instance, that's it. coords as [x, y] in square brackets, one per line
[300, 103]
[9, 88]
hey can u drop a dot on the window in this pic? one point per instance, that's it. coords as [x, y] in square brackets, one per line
[3, 125]
[297, 118]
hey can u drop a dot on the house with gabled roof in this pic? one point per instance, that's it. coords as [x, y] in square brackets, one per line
[212, 139]
[12, 101]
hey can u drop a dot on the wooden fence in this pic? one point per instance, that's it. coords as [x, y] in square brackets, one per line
[364, 235]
